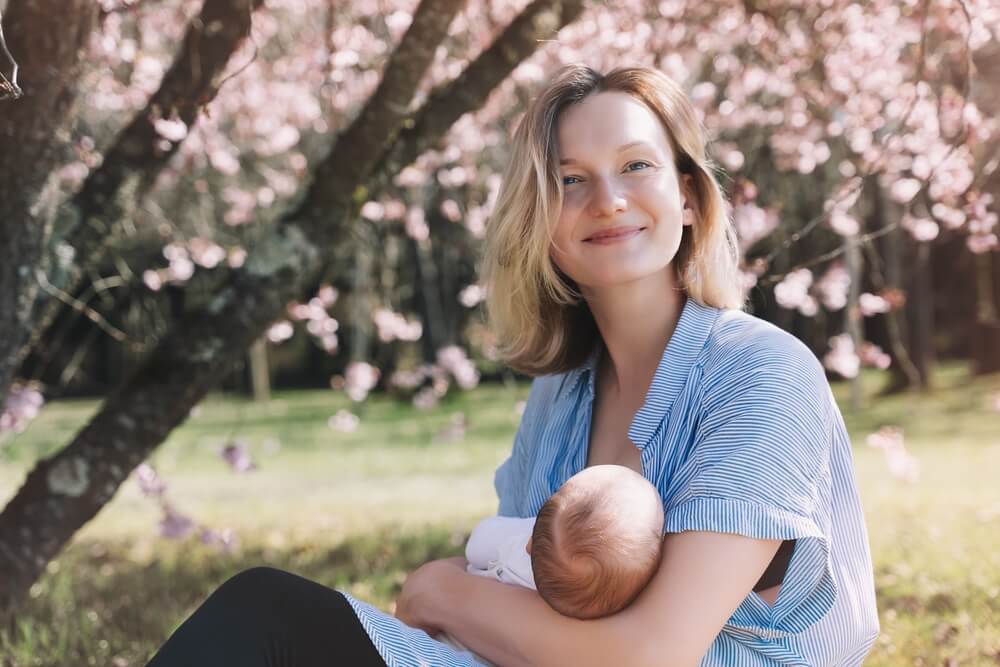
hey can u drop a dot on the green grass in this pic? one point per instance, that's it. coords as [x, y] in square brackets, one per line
[357, 511]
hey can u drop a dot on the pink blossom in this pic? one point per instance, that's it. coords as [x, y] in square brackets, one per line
[844, 224]
[902, 465]
[904, 190]
[393, 326]
[235, 257]
[327, 295]
[922, 229]
[416, 228]
[372, 210]
[172, 130]
[180, 270]
[793, 292]
[833, 287]
[150, 483]
[981, 243]
[174, 525]
[206, 253]
[873, 304]
[224, 162]
[425, 399]
[225, 540]
[411, 177]
[471, 296]
[359, 379]
[237, 455]
[872, 355]
[842, 359]
[152, 279]
[450, 210]
[343, 421]
[22, 404]
[394, 209]
[453, 360]
[280, 331]
[753, 223]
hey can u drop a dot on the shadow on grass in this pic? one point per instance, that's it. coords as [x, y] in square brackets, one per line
[100, 607]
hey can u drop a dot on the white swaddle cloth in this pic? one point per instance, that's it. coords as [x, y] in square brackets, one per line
[497, 549]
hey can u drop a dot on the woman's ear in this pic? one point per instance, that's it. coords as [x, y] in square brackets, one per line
[688, 215]
[527, 547]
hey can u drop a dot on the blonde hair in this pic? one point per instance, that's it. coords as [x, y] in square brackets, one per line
[541, 322]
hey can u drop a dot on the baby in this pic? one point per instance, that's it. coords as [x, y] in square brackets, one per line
[593, 547]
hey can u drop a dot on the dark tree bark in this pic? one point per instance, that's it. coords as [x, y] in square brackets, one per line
[48, 53]
[70, 487]
[986, 333]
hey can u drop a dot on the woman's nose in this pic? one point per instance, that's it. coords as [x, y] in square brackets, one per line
[606, 198]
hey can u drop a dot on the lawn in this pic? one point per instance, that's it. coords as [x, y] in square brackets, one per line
[358, 510]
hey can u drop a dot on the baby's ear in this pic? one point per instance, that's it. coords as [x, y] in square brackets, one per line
[527, 546]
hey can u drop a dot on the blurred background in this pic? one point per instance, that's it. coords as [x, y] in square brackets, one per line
[241, 320]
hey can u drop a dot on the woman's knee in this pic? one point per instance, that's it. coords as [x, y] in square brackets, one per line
[255, 580]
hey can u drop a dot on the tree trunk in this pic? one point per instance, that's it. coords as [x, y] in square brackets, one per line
[66, 490]
[853, 260]
[921, 302]
[48, 53]
[260, 373]
[986, 337]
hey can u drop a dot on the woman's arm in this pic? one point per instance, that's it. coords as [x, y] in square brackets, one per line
[702, 579]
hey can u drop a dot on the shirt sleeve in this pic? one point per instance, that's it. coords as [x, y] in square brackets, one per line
[761, 468]
[510, 480]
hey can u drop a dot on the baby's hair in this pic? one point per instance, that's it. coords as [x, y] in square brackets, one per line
[588, 562]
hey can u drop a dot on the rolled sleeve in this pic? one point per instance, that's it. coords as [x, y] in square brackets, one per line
[761, 468]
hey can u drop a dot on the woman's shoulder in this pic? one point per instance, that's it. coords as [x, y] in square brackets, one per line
[741, 346]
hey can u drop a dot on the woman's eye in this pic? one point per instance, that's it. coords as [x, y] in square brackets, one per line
[640, 164]
[570, 180]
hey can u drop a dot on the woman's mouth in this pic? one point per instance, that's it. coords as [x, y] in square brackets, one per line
[614, 234]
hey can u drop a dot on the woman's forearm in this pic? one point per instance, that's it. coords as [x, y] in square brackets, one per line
[513, 627]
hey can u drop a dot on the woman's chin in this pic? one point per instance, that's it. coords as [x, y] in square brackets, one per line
[625, 278]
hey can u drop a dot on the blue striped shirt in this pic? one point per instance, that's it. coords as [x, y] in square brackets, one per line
[740, 434]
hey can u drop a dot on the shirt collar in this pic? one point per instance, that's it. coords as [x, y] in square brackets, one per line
[689, 337]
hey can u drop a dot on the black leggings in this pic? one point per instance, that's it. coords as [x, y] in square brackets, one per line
[264, 617]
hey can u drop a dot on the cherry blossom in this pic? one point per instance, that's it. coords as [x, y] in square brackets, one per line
[359, 379]
[793, 292]
[237, 454]
[343, 421]
[842, 358]
[23, 403]
[902, 465]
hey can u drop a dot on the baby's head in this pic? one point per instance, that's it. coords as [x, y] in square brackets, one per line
[596, 542]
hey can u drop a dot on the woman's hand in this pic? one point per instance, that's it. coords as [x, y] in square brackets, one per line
[422, 593]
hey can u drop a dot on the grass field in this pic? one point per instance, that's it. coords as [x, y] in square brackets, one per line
[357, 511]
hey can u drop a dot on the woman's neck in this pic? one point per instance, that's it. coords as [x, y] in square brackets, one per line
[636, 321]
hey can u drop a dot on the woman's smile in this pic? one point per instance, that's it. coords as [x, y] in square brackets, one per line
[614, 234]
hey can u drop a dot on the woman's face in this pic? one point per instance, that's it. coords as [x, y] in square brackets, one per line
[621, 216]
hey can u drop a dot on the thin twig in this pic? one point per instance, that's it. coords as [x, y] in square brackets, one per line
[8, 87]
[253, 56]
[827, 256]
[81, 307]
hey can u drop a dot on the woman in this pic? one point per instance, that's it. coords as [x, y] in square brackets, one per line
[612, 271]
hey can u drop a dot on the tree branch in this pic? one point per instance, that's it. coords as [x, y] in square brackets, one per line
[539, 21]
[350, 161]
